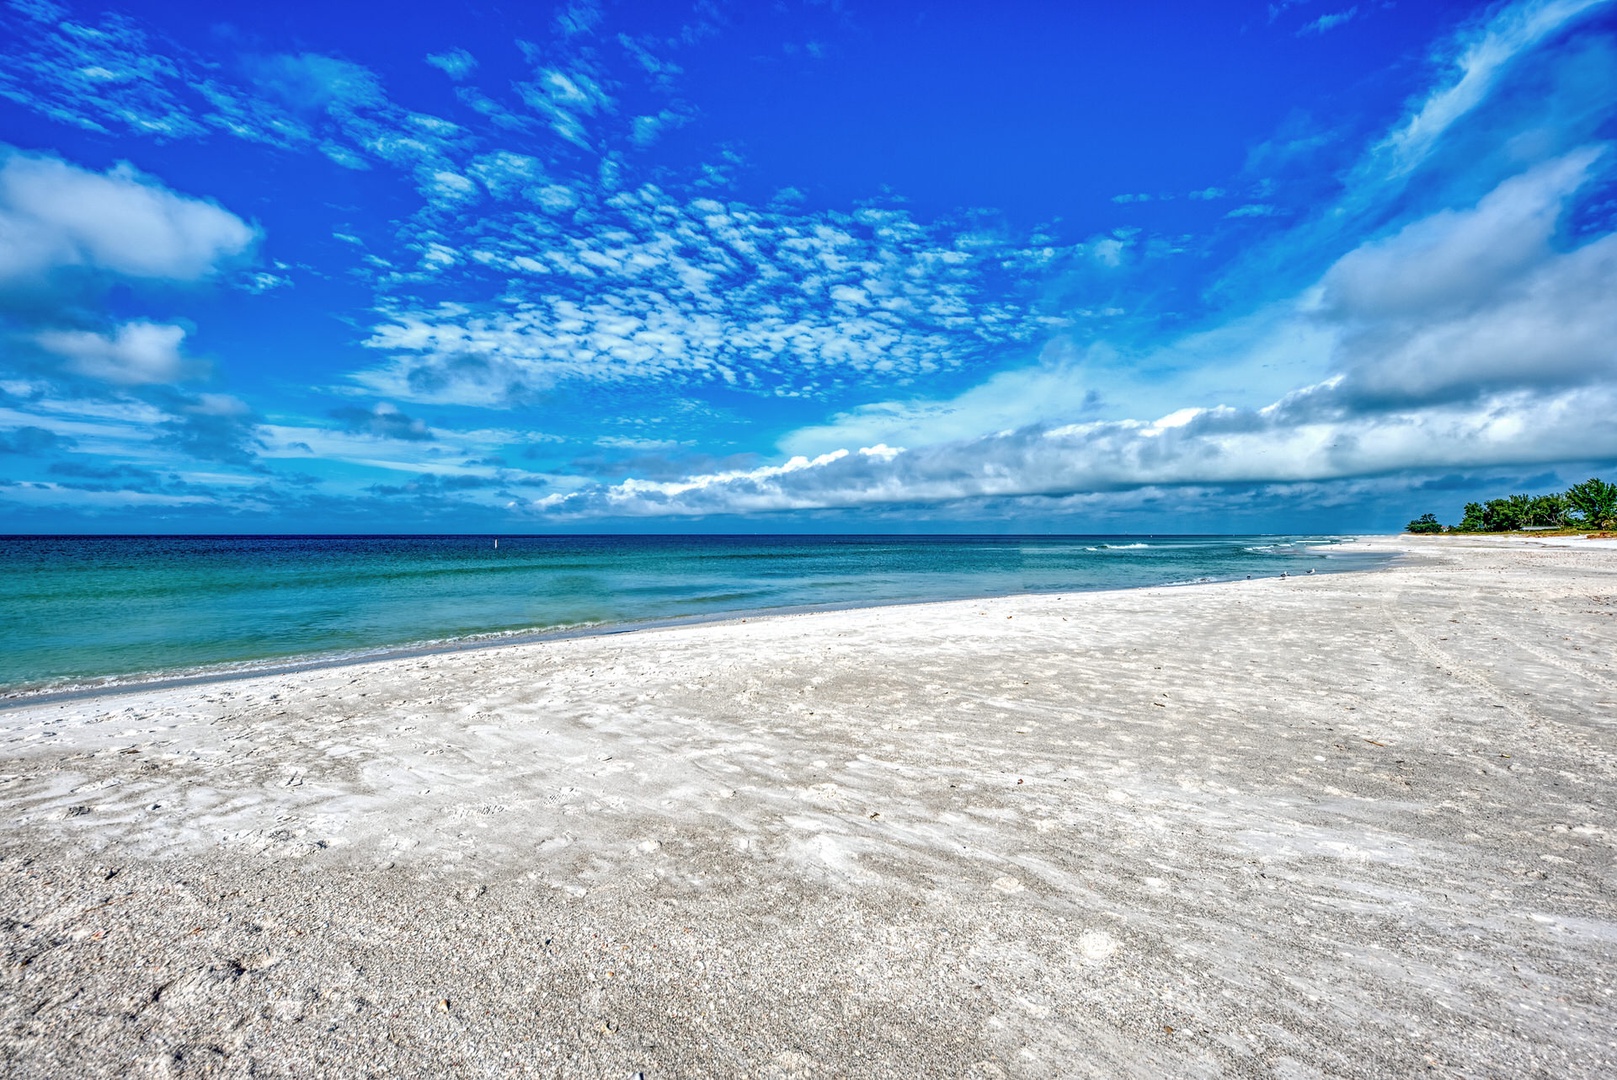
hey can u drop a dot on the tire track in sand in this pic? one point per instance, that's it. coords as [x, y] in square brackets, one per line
[1428, 648]
[1555, 661]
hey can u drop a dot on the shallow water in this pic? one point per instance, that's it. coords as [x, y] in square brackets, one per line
[74, 608]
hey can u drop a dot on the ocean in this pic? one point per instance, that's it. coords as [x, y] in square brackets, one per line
[77, 610]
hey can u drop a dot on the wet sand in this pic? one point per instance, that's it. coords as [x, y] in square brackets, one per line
[1344, 825]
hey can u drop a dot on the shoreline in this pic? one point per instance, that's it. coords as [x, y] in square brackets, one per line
[234, 671]
[1349, 824]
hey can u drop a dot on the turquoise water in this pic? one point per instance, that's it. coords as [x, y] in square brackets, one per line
[82, 608]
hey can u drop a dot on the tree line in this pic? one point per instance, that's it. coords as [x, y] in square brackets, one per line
[1589, 505]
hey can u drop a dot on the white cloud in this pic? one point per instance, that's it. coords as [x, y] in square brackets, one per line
[114, 426]
[55, 495]
[262, 282]
[56, 216]
[384, 421]
[566, 97]
[1467, 339]
[621, 442]
[556, 198]
[1451, 340]
[646, 130]
[580, 17]
[1188, 447]
[1060, 387]
[1478, 298]
[218, 405]
[1328, 22]
[456, 63]
[136, 353]
[1483, 55]
[104, 78]
[1459, 257]
[446, 186]
[507, 175]
[313, 81]
[648, 286]
[343, 156]
[1246, 362]
[167, 433]
[114, 78]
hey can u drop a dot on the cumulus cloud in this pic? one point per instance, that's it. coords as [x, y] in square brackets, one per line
[31, 441]
[135, 353]
[1468, 301]
[1473, 337]
[1285, 443]
[1447, 327]
[55, 216]
[163, 429]
[1422, 342]
[385, 422]
[214, 427]
[65, 232]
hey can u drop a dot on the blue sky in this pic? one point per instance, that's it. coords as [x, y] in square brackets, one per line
[802, 266]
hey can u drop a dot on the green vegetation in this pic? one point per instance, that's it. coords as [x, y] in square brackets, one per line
[1589, 505]
[1596, 502]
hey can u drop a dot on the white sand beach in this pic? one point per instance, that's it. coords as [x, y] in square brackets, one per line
[1341, 825]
